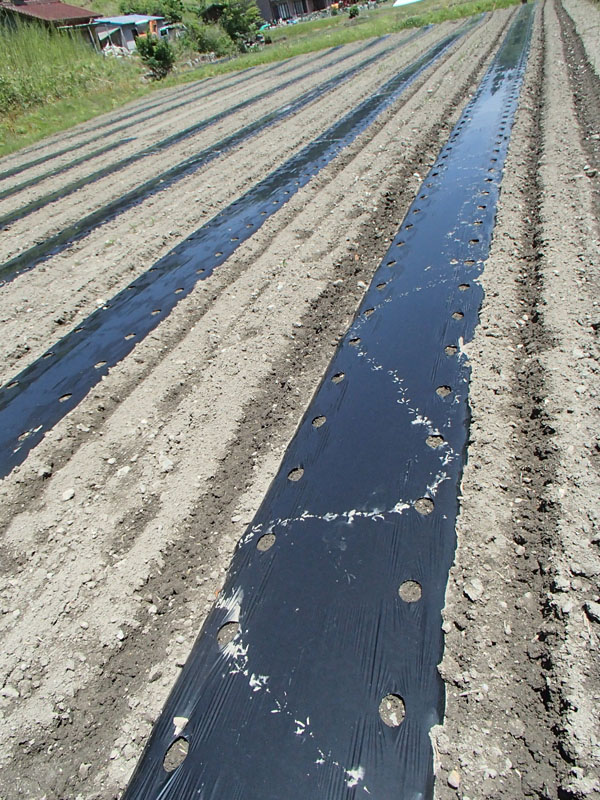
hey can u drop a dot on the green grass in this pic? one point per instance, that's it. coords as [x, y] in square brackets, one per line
[57, 90]
[48, 79]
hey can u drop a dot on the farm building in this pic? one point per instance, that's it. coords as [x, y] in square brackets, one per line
[122, 31]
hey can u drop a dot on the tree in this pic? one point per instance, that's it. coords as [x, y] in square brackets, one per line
[156, 54]
[239, 18]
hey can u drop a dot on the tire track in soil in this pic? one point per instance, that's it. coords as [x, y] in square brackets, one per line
[77, 737]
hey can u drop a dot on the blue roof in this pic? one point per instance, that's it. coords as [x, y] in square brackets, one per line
[127, 19]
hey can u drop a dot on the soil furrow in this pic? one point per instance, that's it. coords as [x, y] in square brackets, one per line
[585, 86]
[507, 732]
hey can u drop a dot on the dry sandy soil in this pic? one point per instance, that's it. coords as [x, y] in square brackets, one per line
[119, 527]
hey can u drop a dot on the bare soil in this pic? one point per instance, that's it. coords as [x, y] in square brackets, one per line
[118, 529]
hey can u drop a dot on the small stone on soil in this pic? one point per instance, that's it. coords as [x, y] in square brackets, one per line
[454, 779]
[592, 609]
[473, 590]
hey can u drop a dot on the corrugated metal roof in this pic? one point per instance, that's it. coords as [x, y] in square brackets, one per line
[127, 19]
[49, 10]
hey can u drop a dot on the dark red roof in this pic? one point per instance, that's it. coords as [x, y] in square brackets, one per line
[50, 11]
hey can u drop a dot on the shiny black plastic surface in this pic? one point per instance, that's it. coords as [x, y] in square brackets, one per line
[54, 384]
[289, 708]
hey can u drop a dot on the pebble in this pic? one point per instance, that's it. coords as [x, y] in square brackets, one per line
[45, 471]
[561, 584]
[593, 610]
[154, 674]
[165, 463]
[567, 606]
[9, 691]
[84, 771]
[68, 494]
[454, 779]
[473, 590]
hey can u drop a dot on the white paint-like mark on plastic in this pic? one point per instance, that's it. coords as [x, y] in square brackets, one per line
[354, 776]
[258, 682]
[237, 651]
[301, 727]
[231, 604]
[436, 483]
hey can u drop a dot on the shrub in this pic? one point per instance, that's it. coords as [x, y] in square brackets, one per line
[156, 54]
[209, 38]
[353, 12]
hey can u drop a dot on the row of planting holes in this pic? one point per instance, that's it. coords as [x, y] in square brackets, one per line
[392, 709]
[130, 335]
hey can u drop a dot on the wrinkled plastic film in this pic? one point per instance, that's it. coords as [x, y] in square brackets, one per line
[329, 687]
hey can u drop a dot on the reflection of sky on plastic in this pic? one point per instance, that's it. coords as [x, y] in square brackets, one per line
[405, 2]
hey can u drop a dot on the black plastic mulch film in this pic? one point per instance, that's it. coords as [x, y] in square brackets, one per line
[329, 687]
[55, 383]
